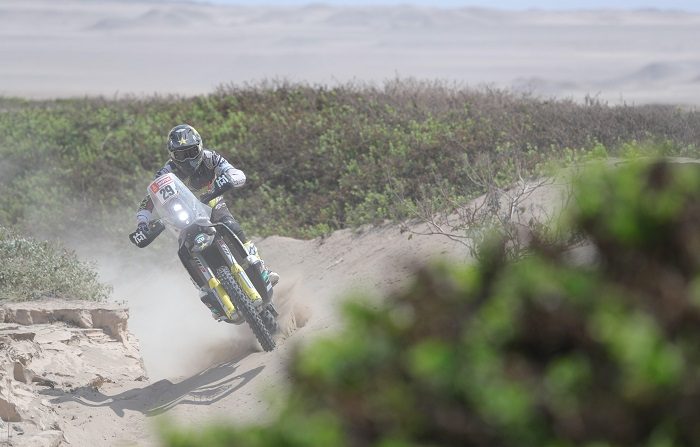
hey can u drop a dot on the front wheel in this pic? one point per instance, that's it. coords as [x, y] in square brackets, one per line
[270, 321]
[245, 306]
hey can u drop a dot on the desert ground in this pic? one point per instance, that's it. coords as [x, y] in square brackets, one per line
[198, 370]
[81, 385]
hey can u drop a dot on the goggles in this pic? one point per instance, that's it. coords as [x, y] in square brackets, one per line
[187, 153]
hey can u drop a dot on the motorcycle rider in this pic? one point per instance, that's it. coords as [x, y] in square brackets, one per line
[191, 162]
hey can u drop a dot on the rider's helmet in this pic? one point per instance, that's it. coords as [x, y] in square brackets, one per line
[185, 147]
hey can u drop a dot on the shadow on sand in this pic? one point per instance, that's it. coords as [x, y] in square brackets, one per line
[205, 388]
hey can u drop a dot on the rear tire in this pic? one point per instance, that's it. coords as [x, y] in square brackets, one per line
[245, 306]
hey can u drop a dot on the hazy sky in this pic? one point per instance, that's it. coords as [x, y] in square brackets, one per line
[688, 5]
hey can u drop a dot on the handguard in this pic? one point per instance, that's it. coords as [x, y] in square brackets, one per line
[142, 238]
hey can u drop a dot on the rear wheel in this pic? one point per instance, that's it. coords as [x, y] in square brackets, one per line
[245, 306]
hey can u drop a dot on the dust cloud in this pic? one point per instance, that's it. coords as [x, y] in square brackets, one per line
[240, 342]
[177, 334]
[294, 312]
[166, 315]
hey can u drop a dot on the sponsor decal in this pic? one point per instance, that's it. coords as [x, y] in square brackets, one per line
[221, 181]
[226, 250]
[164, 188]
[200, 266]
[160, 182]
[139, 237]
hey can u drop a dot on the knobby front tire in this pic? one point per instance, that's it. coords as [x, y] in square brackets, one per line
[270, 321]
[245, 306]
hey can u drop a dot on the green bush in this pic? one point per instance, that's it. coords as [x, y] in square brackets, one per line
[534, 352]
[32, 270]
[317, 158]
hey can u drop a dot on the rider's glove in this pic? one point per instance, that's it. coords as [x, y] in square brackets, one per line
[142, 226]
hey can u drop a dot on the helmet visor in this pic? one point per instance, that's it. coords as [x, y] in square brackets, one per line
[187, 153]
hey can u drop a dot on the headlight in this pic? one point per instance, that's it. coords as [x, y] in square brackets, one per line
[177, 207]
[183, 216]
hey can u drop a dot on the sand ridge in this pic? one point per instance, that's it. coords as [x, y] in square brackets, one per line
[116, 48]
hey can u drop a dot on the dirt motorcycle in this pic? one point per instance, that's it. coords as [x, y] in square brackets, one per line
[235, 281]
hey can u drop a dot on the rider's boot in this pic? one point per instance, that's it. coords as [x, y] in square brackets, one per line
[266, 272]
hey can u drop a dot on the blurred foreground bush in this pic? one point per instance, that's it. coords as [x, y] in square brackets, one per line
[536, 352]
[32, 269]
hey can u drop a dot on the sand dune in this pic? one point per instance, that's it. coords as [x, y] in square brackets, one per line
[108, 47]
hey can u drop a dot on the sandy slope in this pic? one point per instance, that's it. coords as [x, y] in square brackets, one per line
[201, 370]
[110, 47]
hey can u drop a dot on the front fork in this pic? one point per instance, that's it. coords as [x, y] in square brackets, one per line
[239, 275]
